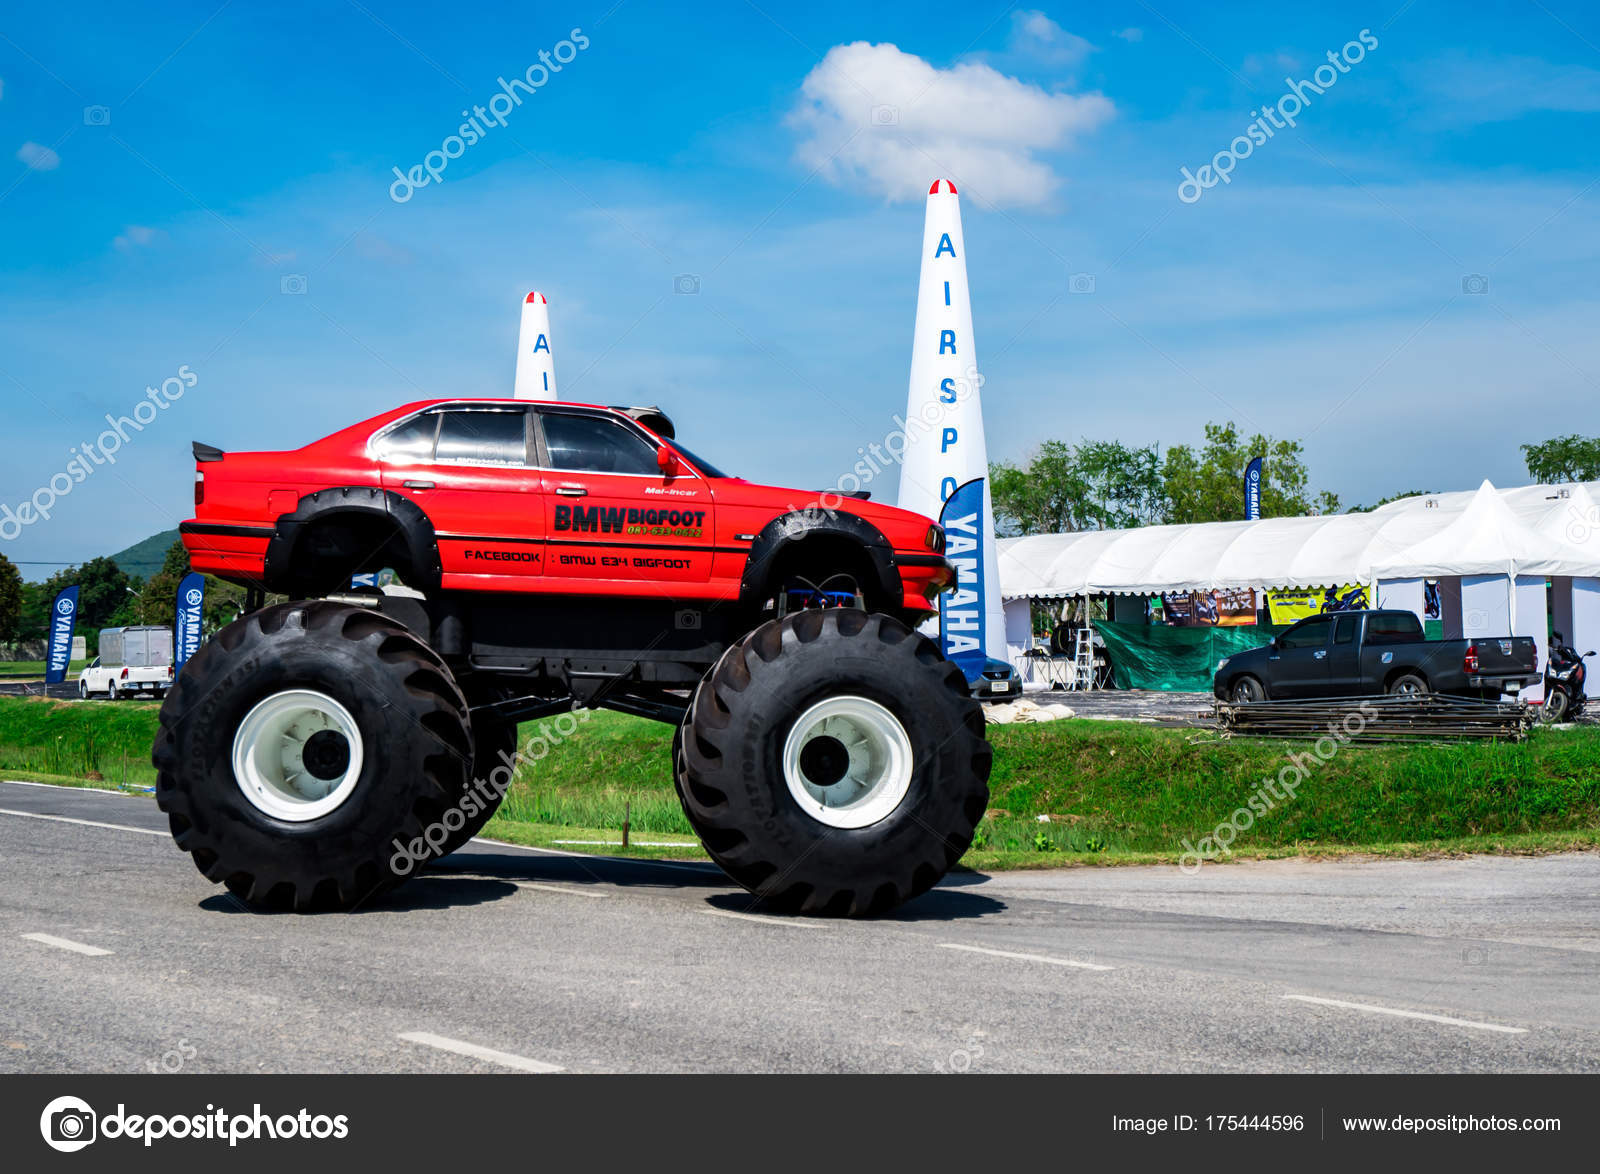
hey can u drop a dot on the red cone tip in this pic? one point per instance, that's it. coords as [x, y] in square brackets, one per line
[942, 185]
[535, 296]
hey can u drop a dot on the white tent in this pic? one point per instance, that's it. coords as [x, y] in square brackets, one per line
[1298, 552]
[1486, 538]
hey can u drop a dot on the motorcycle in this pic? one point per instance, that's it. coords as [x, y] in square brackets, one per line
[1564, 678]
[1353, 600]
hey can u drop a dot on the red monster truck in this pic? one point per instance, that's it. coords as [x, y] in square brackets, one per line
[558, 555]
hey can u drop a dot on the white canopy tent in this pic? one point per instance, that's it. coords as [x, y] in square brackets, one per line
[1493, 550]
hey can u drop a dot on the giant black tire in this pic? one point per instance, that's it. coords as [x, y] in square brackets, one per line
[484, 795]
[730, 763]
[415, 743]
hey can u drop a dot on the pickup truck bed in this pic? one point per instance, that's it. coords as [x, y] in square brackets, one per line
[1357, 653]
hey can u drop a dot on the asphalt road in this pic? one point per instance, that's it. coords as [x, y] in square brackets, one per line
[117, 956]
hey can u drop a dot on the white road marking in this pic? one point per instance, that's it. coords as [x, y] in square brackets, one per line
[88, 823]
[569, 890]
[50, 939]
[1374, 1009]
[1073, 962]
[119, 794]
[784, 922]
[478, 1052]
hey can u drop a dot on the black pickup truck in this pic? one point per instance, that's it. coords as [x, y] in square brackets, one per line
[1357, 653]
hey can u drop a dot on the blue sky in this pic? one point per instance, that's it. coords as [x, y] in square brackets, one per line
[1319, 294]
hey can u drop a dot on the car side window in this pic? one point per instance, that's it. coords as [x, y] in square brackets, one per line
[497, 436]
[410, 443]
[1393, 628]
[1344, 630]
[593, 444]
[1313, 633]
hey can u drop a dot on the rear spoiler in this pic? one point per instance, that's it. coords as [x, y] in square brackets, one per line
[206, 452]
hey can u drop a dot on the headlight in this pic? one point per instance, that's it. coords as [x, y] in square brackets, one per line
[934, 539]
[1220, 663]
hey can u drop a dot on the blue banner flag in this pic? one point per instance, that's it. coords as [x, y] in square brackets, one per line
[63, 618]
[961, 611]
[186, 627]
[1252, 490]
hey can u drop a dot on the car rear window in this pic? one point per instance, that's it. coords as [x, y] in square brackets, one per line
[484, 437]
[1393, 628]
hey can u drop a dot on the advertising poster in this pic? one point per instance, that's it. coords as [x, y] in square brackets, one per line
[1209, 609]
[1288, 607]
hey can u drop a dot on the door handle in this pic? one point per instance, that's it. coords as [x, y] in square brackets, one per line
[571, 491]
[417, 484]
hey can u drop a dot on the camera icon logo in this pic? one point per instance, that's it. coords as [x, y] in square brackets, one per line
[686, 620]
[292, 283]
[97, 116]
[886, 116]
[67, 1124]
[1474, 283]
[1081, 283]
[686, 283]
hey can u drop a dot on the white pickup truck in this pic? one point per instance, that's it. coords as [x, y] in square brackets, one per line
[131, 661]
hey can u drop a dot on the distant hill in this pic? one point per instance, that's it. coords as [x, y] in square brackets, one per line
[144, 558]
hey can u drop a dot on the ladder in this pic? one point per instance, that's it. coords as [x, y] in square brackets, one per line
[1083, 659]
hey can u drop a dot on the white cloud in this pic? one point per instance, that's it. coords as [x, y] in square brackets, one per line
[1036, 35]
[880, 120]
[135, 236]
[38, 157]
[1131, 35]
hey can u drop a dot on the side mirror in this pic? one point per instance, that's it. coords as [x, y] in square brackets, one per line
[666, 461]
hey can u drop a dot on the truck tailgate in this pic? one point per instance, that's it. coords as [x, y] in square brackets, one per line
[1506, 654]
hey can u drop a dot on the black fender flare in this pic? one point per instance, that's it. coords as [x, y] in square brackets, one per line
[368, 500]
[783, 532]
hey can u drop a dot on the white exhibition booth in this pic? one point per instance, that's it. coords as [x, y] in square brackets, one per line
[1490, 551]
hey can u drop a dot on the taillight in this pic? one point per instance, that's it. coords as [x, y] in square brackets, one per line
[1469, 663]
[199, 487]
[124, 674]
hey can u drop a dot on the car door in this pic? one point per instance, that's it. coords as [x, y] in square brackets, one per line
[1299, 661]
[468, 468]
[615, 520]
[1344, 657]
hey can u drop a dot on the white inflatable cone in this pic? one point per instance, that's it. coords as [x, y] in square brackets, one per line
[945, 450]
[536, 368]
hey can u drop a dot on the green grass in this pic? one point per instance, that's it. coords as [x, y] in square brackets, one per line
[77, 740]
[1115, 792]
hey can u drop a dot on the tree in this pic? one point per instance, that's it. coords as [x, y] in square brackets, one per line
[1209, 486]
[1093, 485]
[1564, 458]
[158, 598]
[10, 600]
[102, 600]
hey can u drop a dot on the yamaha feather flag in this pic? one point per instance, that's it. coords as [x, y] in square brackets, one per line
[1252, 490]
[961, 612]
[186, 629]
[63, 618]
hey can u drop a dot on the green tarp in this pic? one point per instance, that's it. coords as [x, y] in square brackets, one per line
[1154, 656]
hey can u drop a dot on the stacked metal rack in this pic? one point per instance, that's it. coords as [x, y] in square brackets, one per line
[1426, 717]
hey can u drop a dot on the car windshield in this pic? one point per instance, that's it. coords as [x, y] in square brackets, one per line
[705, 466]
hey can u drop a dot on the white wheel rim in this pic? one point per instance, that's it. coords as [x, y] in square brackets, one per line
[269, 755]
[867, 757]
